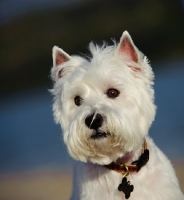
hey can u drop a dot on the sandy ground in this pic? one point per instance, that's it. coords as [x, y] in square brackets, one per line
[49, 185]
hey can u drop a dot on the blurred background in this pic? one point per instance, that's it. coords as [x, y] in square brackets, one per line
[34, 163]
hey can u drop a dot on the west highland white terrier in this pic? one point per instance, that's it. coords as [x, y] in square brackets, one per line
[105, 105]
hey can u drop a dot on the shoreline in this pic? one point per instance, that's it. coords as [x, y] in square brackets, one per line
[51, 184]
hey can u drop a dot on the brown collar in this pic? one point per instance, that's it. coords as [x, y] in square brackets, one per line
[135, 166]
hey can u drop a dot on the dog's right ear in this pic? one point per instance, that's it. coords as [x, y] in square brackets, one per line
[59, 59]
[59, 56]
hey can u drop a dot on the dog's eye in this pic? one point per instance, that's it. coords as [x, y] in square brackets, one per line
[78, 100]
[112, 93]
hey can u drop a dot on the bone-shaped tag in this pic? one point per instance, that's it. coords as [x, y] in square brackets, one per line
[126, 187]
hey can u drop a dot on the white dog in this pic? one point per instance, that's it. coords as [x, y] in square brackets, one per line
[105, 105]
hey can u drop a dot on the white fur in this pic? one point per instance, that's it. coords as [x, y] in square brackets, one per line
[127, 118]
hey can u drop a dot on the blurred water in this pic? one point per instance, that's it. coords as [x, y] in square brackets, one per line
[29, 139]
[168, 127]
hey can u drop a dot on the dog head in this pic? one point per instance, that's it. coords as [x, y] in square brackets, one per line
[105, 104]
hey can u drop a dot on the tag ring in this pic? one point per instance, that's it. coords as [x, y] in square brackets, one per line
[126, 170]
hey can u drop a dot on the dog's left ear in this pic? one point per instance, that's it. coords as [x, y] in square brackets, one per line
[127, 48]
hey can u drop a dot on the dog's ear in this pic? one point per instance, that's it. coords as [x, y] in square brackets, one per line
[59, 58]
[127, 48]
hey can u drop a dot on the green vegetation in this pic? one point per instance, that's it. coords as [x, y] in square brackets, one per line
[157, 27]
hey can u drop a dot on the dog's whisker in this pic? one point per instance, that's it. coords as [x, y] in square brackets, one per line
[94, 116]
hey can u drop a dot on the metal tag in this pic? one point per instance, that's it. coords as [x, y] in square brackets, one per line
[126, 188]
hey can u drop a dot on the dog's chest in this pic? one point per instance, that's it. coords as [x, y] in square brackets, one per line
[103, 183]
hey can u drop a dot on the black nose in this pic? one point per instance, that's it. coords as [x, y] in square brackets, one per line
[94, 121]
